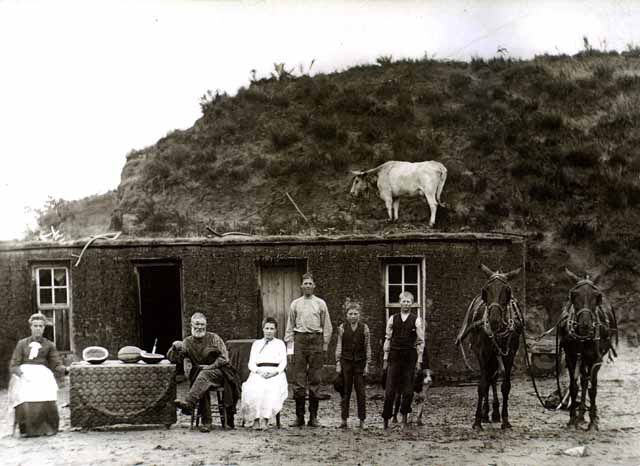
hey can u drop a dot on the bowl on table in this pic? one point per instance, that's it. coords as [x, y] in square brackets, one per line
[151, 358]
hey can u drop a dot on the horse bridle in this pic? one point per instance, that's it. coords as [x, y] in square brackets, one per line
[572, 319]
[509, 325]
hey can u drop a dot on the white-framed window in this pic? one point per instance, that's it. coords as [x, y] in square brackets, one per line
[403, 274]
[53, 299]
[401, 277]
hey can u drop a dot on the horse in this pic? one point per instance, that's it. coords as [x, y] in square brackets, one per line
[586, 330]
[493, 323]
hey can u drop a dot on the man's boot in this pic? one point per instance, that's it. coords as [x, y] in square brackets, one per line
[186, 407]
[313, 412]
[299, 422]
[231, 419]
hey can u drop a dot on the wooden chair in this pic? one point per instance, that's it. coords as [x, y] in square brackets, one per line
[196, 415]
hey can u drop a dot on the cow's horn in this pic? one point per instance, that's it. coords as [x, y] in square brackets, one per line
[486, 270]
[513, 273]
[572, 275]
[357, 172]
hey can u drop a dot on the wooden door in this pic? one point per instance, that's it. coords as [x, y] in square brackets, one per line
[279, 285]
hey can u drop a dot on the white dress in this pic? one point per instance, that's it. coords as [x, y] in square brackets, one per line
[263, 398]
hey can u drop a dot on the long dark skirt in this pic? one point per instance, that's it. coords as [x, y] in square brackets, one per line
[35, 418]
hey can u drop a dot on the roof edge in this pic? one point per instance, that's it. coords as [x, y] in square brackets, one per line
[255, 240]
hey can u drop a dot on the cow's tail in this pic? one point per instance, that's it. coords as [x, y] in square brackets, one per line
[443, 178]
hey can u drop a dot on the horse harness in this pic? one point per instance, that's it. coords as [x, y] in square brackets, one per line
[510, 325]
[573, 316]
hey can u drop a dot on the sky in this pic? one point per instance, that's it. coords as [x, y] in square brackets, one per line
[82, 83]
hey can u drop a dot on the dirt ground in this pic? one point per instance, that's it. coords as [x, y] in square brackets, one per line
[537, 437]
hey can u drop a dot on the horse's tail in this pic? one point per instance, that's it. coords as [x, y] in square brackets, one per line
[443, 179]
[466, 327]
[464, 357]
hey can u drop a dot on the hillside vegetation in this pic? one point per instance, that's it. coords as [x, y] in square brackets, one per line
[545, 147]
[91, 215]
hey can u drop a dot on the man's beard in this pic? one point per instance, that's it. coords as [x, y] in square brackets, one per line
[199, 333]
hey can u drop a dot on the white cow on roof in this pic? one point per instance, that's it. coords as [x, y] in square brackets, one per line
[404, 179]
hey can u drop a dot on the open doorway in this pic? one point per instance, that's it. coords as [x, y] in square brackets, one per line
[160, 301]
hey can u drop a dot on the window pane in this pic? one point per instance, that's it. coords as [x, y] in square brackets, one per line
[411, 274]
[413, 289]
[45, 296]
[61, 295]
[60, 277]
[45, 277]
[394, 292]
[395, 274]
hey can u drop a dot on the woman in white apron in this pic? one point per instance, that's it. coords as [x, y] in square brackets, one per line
[265, 391]
[33, 391]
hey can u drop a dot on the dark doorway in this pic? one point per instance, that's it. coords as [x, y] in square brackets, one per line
[160, 305]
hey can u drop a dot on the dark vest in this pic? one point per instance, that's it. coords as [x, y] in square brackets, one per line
[353, 343]
[404, 333]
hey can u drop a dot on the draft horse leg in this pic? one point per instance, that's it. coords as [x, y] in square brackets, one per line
[483, 393]
[495, 413]
[506, 389]
[584, 385]
[593, 391]
[571, 358]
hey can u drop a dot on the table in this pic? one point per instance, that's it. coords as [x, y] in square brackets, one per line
[117, 393]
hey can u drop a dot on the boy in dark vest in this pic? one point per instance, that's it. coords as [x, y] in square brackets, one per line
[403, 347]
[353, 357]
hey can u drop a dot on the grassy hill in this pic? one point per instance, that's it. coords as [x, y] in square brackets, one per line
[546, 147]
[77, 219]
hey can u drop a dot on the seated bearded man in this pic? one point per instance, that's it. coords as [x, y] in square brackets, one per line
[210, 369]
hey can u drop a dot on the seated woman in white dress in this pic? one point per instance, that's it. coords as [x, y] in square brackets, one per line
[266, 389]
[33, 390]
